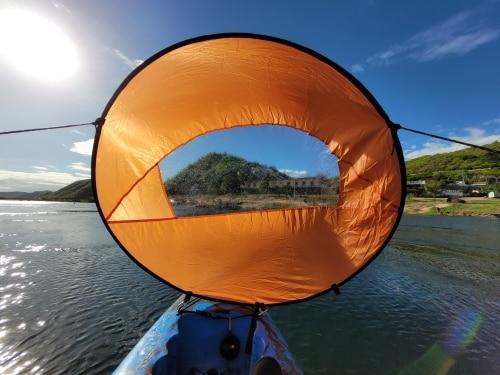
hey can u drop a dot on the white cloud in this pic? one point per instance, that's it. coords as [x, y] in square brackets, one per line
[33, 181]
[475, 136]
[40, 168]
[294, 173]
[457, 35]
[494, 121]
[133, 63]
[81, 167]
[83, 147]
[357, 68]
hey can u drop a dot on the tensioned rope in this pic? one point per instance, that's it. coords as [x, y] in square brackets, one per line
[47, 128]
[397, 126]
[99, 121]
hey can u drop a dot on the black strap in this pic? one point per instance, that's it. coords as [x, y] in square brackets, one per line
[336, 289]
[187, 297]
[253, 326]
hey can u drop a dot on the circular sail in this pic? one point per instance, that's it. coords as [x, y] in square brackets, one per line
[268, 256]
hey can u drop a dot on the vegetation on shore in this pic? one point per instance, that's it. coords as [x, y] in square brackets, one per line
[440, 206]
[413, 205]
[250, 202]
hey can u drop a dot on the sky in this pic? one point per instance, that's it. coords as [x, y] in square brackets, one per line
[291, 151]
[433, 66]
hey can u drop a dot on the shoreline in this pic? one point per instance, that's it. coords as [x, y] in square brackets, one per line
[479, 207]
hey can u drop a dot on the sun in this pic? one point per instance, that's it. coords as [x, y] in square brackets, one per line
[35, 46]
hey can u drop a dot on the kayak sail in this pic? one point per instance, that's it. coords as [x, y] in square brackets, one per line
[259, 257]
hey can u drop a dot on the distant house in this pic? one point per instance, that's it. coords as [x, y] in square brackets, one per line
[494, 194]
[459, 189]
[452, 193]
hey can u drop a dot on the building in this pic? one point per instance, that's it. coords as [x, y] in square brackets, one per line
[303, 185]
[416, 187]
[458, 189]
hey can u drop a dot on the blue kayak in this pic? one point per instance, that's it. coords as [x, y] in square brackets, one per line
[195, 337]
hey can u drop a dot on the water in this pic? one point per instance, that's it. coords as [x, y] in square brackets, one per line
[72, 303]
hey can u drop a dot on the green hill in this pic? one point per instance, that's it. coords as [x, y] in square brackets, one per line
[220, 173]
[21, 195]
[469, 162]
[78, 191]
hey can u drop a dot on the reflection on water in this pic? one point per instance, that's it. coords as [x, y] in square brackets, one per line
[72, 303]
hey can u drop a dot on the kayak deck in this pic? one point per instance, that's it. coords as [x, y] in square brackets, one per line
[201, 337]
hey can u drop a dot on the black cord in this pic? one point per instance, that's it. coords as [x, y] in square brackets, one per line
[397, 126]
[99, 122]
[48, 128]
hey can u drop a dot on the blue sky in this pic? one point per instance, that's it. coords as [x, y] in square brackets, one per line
[433, 66]
[291, 151]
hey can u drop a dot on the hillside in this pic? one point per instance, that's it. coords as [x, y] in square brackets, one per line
[78, 191]
[20, 195]
[220, 173]
[453, 165]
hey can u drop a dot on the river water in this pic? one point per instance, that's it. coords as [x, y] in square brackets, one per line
[72, 303]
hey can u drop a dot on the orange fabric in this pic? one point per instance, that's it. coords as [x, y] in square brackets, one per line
[267, 256]
[134, 205]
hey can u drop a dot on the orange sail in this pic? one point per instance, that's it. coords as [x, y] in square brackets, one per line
[272, 256]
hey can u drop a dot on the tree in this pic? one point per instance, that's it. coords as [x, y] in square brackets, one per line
[263, 187]
[230, 184]
[433, 186]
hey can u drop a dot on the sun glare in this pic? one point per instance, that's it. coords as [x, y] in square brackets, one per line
[36, 46]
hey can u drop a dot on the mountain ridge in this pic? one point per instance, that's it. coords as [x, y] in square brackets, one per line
[444, 166]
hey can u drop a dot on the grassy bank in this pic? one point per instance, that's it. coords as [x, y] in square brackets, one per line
[249, 202]
[439, 206]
